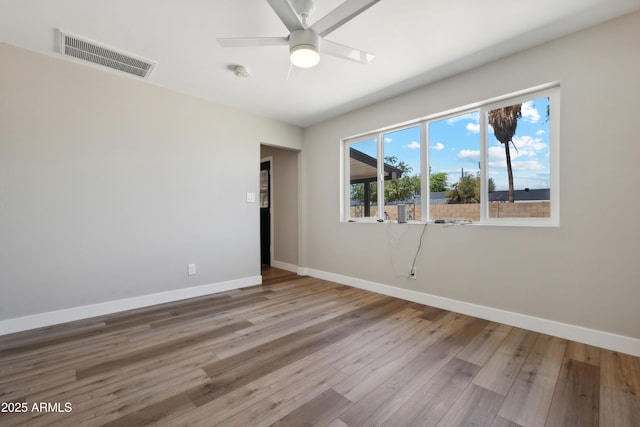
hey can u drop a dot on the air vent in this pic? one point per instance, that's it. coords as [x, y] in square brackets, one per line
[90, 51]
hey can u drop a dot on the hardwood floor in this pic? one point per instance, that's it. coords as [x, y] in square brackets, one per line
[300, 351]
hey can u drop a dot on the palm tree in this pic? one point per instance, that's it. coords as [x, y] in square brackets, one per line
[504, 122]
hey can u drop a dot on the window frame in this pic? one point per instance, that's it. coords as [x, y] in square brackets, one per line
[346, 179]
[550, 90]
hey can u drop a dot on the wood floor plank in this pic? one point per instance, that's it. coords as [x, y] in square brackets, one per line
[432, 313]
[123, 403]
[306, 351]
[527, 402]
[467, 331]
[378, 405]
[236, 371]
[285, 401]
[259, 334]
[503, 422]
[583, 353]
[484, 344]
[434, 399]
[382, 338]
[242, 398]
[377, 371]
[107, 403]
[238, 400]
[620, 389]
[123, 382]
[176, 404]
[576, 399]
[500, 371]
[337, 423]
[476, 406]
[165, 347]
[319, 411]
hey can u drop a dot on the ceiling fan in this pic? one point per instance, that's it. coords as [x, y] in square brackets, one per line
[306, 42]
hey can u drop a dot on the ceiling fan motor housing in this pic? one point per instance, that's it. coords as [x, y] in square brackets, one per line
[303, 48]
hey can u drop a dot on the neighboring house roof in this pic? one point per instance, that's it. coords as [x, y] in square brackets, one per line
[364, 168]
[521, 195]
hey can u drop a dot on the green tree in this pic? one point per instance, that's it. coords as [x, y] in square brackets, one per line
[491, 185]
[357, 191]
[404, 188]
[504, 122]
[467, 190]
[438, 182]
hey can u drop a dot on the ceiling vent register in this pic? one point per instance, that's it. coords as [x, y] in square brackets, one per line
[90, 51]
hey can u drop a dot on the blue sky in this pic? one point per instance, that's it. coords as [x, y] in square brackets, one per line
[454, 144]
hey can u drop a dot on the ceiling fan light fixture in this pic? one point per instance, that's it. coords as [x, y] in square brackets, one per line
[303, 48]
[304, 56]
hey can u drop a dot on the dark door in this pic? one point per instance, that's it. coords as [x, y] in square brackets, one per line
[265, 212]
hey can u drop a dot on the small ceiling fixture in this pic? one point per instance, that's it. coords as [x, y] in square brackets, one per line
[240, 71]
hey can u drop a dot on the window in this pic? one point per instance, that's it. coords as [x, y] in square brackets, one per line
[363, 178]
[495, 163]
[518, 159]
[387, 164]
[454, 166]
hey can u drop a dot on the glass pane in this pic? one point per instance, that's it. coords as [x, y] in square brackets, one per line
[402, 173]
[454, 168]
[363, 178]
[518, 160]
[264, 189]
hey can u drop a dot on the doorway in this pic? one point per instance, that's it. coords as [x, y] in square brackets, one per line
[279, 188]
[265, 213]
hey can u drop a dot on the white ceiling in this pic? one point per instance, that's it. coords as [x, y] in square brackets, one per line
[415, 42]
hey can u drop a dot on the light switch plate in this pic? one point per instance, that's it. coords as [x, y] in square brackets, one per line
[251, 197]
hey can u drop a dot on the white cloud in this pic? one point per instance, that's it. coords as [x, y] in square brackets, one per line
[540, 132]
[413, 145]
[526, 165]
[529, 112]
[501, 164]
[498, 158]
[469, 155]
[496, 154]
[439, 146]
[527, 142]
[473, 127]
[387, 139]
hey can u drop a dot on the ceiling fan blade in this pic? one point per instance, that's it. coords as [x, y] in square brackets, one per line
[287, 14]
[346, 52]
[341, 15]
[252, 41]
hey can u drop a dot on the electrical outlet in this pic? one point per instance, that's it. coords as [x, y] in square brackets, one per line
[192, 270]
[413, 273]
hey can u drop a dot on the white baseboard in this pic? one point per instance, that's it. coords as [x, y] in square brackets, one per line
[84, 312]
[284, 266]
[580, 334]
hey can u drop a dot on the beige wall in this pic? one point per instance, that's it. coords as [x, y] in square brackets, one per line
[584, 272]
[284, 172]
[111, 186]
